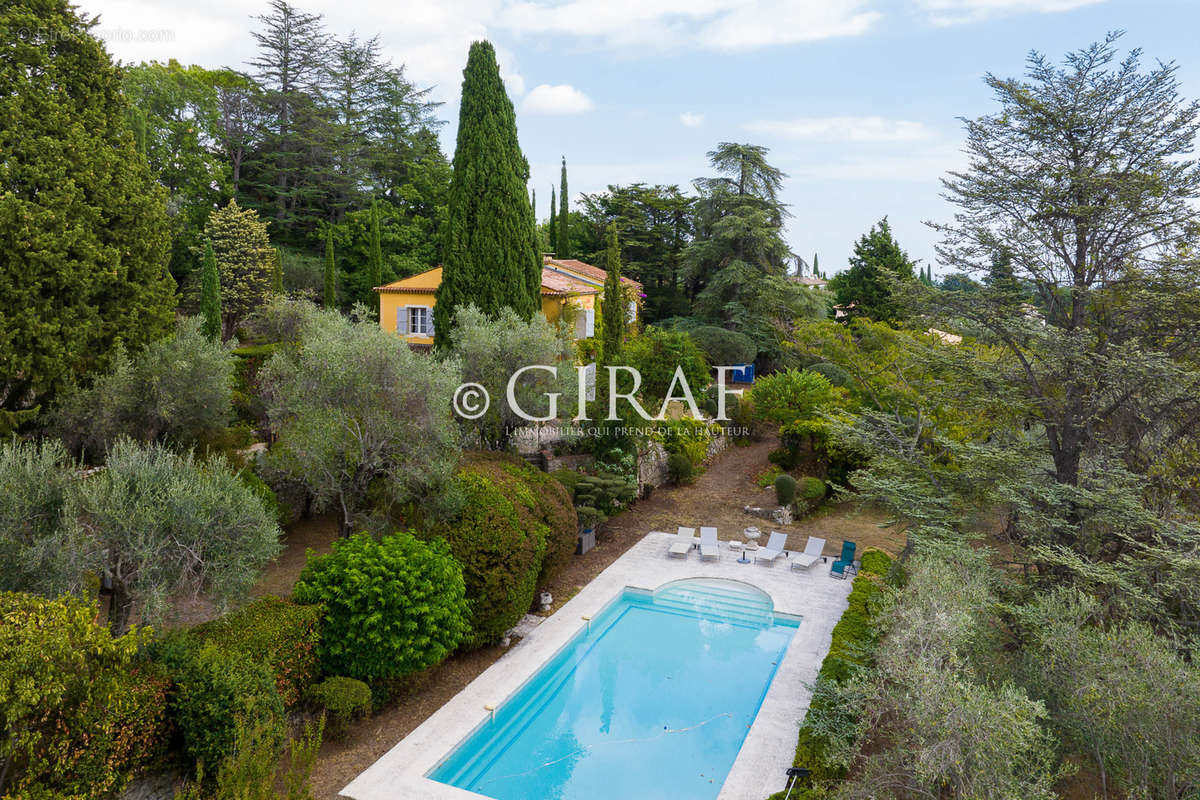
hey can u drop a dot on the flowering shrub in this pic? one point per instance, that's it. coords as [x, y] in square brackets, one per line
[81, 710]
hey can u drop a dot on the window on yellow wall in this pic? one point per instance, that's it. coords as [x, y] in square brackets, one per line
[420, 322]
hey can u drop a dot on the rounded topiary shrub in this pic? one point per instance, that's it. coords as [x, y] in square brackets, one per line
[680, 469]
[388, 608]
[724, 347]
[785, 489]
[811, 489]
[343, 700]
[500, 539]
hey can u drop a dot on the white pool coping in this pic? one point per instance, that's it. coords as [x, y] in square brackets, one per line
[758, 770]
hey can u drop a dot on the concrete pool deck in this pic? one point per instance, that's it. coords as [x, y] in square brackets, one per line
[767, 752]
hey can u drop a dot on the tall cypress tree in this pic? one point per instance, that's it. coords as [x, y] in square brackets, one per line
[564, 235]
[375, 254]
[84, 234]
[330, 271]
[210, 294]
[277, 272]
[613, 307]
[553, 223]
[490, 256]
[816, 266]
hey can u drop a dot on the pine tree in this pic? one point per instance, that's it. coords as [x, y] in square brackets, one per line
[330, 271]
[210, 294]
[84, 234]
[816, 266]
[375, 255]
[613, 306]
[878, 260]
[490, 255]
[564, 234]
[277, 273]
[553, 223]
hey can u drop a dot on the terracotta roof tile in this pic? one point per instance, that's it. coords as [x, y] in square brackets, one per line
[586, 269]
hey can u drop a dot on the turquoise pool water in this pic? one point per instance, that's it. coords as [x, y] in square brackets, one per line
[653, 703]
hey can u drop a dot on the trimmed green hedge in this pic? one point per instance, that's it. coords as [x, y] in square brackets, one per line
[849, 649]
[214, 691]
[500, 537]
[279, 634]
[785, 489]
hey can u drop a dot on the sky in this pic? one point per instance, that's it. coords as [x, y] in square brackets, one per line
[858, 100]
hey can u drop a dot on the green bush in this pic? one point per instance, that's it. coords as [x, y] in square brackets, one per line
[723, 347]
[875, 562]
[569, 478]
[785, 397]
[213, 691]
[680, 469]
[688, 436]
[554, 507]
[811, 489]
[606, 492]
[81, 711]
[656, 354]
[851, 647]
[783, 457]
[834, 373]
[388, 608]
[500, 541]
[265, 494]
[785, 489]
[278, 634]
[343, 700]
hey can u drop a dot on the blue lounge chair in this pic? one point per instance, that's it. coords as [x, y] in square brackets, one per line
[845, 561]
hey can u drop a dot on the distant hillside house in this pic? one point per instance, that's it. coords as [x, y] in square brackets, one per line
[570, 288]
[810, 281]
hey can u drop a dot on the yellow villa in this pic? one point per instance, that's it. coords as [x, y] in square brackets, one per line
[569, 288]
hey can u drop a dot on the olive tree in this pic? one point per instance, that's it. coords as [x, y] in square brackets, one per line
[39, 551]
[352, 408]
[492, 349]
[1121, 694]
[178, 390]
[929, 722]
[165, 528]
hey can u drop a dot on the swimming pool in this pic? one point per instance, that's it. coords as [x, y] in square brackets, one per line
[653, 700]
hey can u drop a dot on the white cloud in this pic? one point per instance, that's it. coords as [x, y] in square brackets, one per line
[953, 12]
[841, 129]
[921, 165]
[709, 24]
[561, 99]
[690, 119]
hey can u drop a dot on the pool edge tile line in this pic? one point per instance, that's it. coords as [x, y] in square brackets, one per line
[757, 771]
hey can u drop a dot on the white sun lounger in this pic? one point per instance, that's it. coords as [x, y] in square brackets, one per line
[708, 543]
[683, 542]
[774, 547]
[811, 555]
